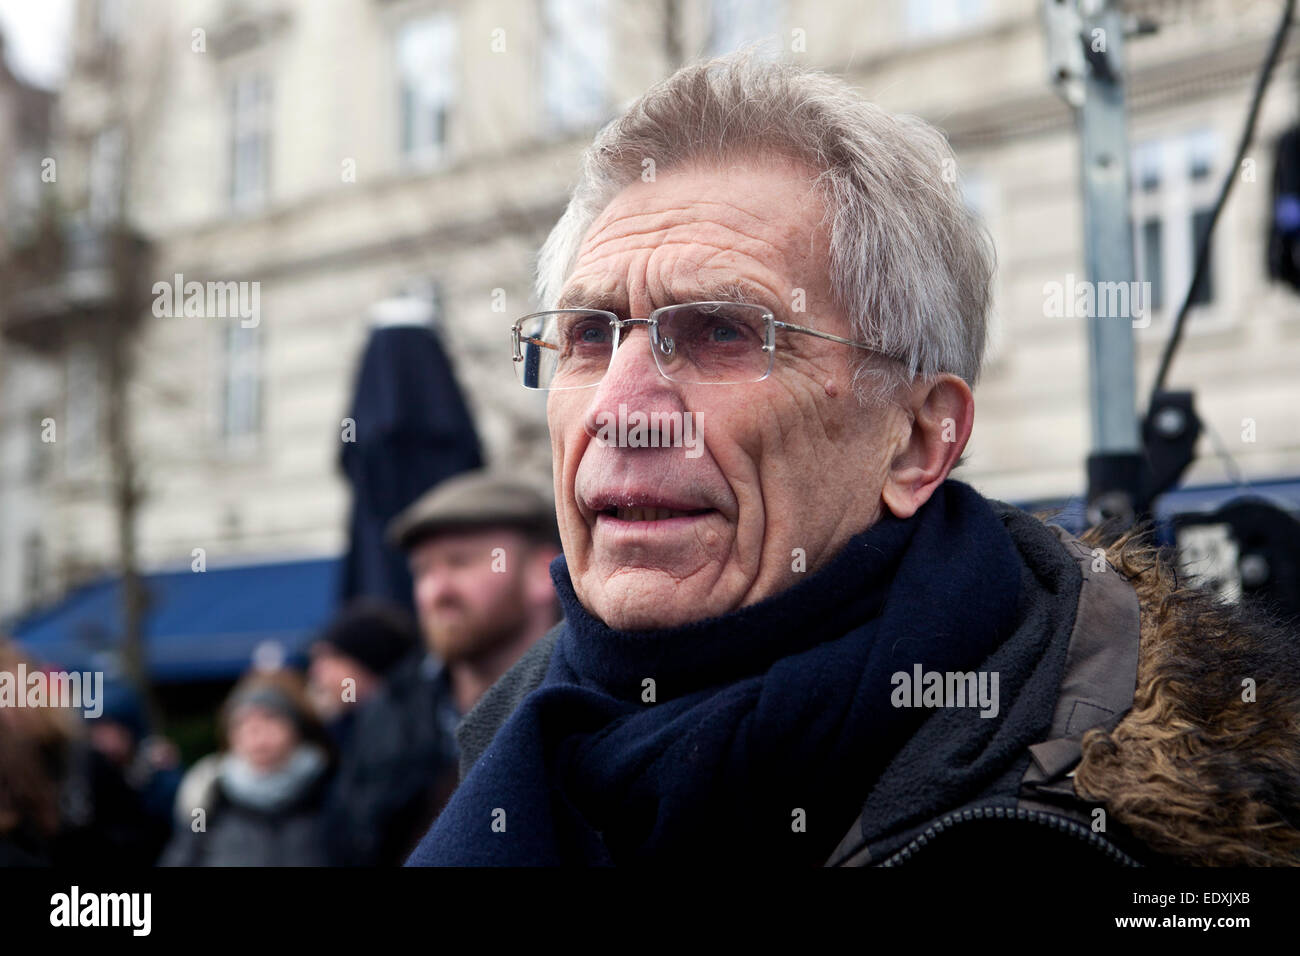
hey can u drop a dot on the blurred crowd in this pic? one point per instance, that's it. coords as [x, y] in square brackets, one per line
[346, 762]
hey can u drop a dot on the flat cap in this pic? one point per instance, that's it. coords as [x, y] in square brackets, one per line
[475, 499]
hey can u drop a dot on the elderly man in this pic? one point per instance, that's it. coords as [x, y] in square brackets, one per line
[807, 644]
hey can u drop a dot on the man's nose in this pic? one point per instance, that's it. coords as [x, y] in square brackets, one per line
[632, 380]
[435, 585]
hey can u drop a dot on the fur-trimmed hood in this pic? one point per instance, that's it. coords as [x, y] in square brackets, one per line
[1205, 767]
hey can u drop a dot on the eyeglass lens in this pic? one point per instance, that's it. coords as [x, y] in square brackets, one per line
[704, 343]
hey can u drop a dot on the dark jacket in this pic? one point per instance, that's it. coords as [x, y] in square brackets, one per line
[1132, 769]
[237, 834]
[101, 816]
[397, 770]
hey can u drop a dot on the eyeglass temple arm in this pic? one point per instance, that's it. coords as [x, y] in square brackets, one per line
[539, 343]
[821, 335]
[520, 338]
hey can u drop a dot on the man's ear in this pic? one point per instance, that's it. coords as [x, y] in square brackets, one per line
[941, 411]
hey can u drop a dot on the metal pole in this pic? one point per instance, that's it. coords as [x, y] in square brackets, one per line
[1094, 84]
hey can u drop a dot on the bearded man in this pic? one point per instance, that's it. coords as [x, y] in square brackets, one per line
[479, 546]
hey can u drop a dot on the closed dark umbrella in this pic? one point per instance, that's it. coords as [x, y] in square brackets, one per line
[413, 429]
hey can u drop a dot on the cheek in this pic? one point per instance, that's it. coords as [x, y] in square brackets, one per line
[481, 589]
[569, 439]
[563, 417]
[751, 441]
[737, 449]
[423, 591]
[805, 440]
[239, 740]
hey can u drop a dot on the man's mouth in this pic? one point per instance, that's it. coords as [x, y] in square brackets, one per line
[650, 514]
[645, 505]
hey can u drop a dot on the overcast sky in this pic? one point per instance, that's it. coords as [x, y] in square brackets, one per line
[36, 34]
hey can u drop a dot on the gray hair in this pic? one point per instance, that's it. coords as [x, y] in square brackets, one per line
[910, 264]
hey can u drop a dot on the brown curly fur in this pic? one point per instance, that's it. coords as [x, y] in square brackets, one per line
[1193, 771]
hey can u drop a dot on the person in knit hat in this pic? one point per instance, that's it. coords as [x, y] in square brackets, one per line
[353, 657]
[259, 800]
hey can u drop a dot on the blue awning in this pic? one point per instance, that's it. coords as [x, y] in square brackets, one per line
[198, 625]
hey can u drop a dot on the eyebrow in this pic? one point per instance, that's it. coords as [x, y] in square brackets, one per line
[579, 297]
[736, 290]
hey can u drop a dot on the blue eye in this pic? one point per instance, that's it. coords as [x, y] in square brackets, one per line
[589, 332]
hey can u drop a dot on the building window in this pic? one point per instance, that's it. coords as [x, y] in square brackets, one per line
[1150, 264]
[241, 385]
[738, 23]
[250, 141]
[936, 18]
[1203, 293]
[108, 20]
[575, 62]
[24, 196]
[1199, 150]
[41, 453]
[104, 176]
[82, 404]
[426, 78]
[1146, 166]
[33, 569]
[1174, 190]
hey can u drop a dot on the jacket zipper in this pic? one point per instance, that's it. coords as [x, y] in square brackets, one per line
[1010, 813]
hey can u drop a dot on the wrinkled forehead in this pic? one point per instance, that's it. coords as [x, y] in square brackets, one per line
[612, 296]
[744, 233]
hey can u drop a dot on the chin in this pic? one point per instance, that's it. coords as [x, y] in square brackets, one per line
[652, 609]
[453, 653]
[643, 619]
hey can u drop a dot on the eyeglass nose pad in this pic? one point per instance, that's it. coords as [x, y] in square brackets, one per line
[666, 345]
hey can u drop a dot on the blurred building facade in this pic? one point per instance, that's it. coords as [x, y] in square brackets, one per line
[28, 389]
[338, 155]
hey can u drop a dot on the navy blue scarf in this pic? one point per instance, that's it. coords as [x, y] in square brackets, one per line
[769, 724]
